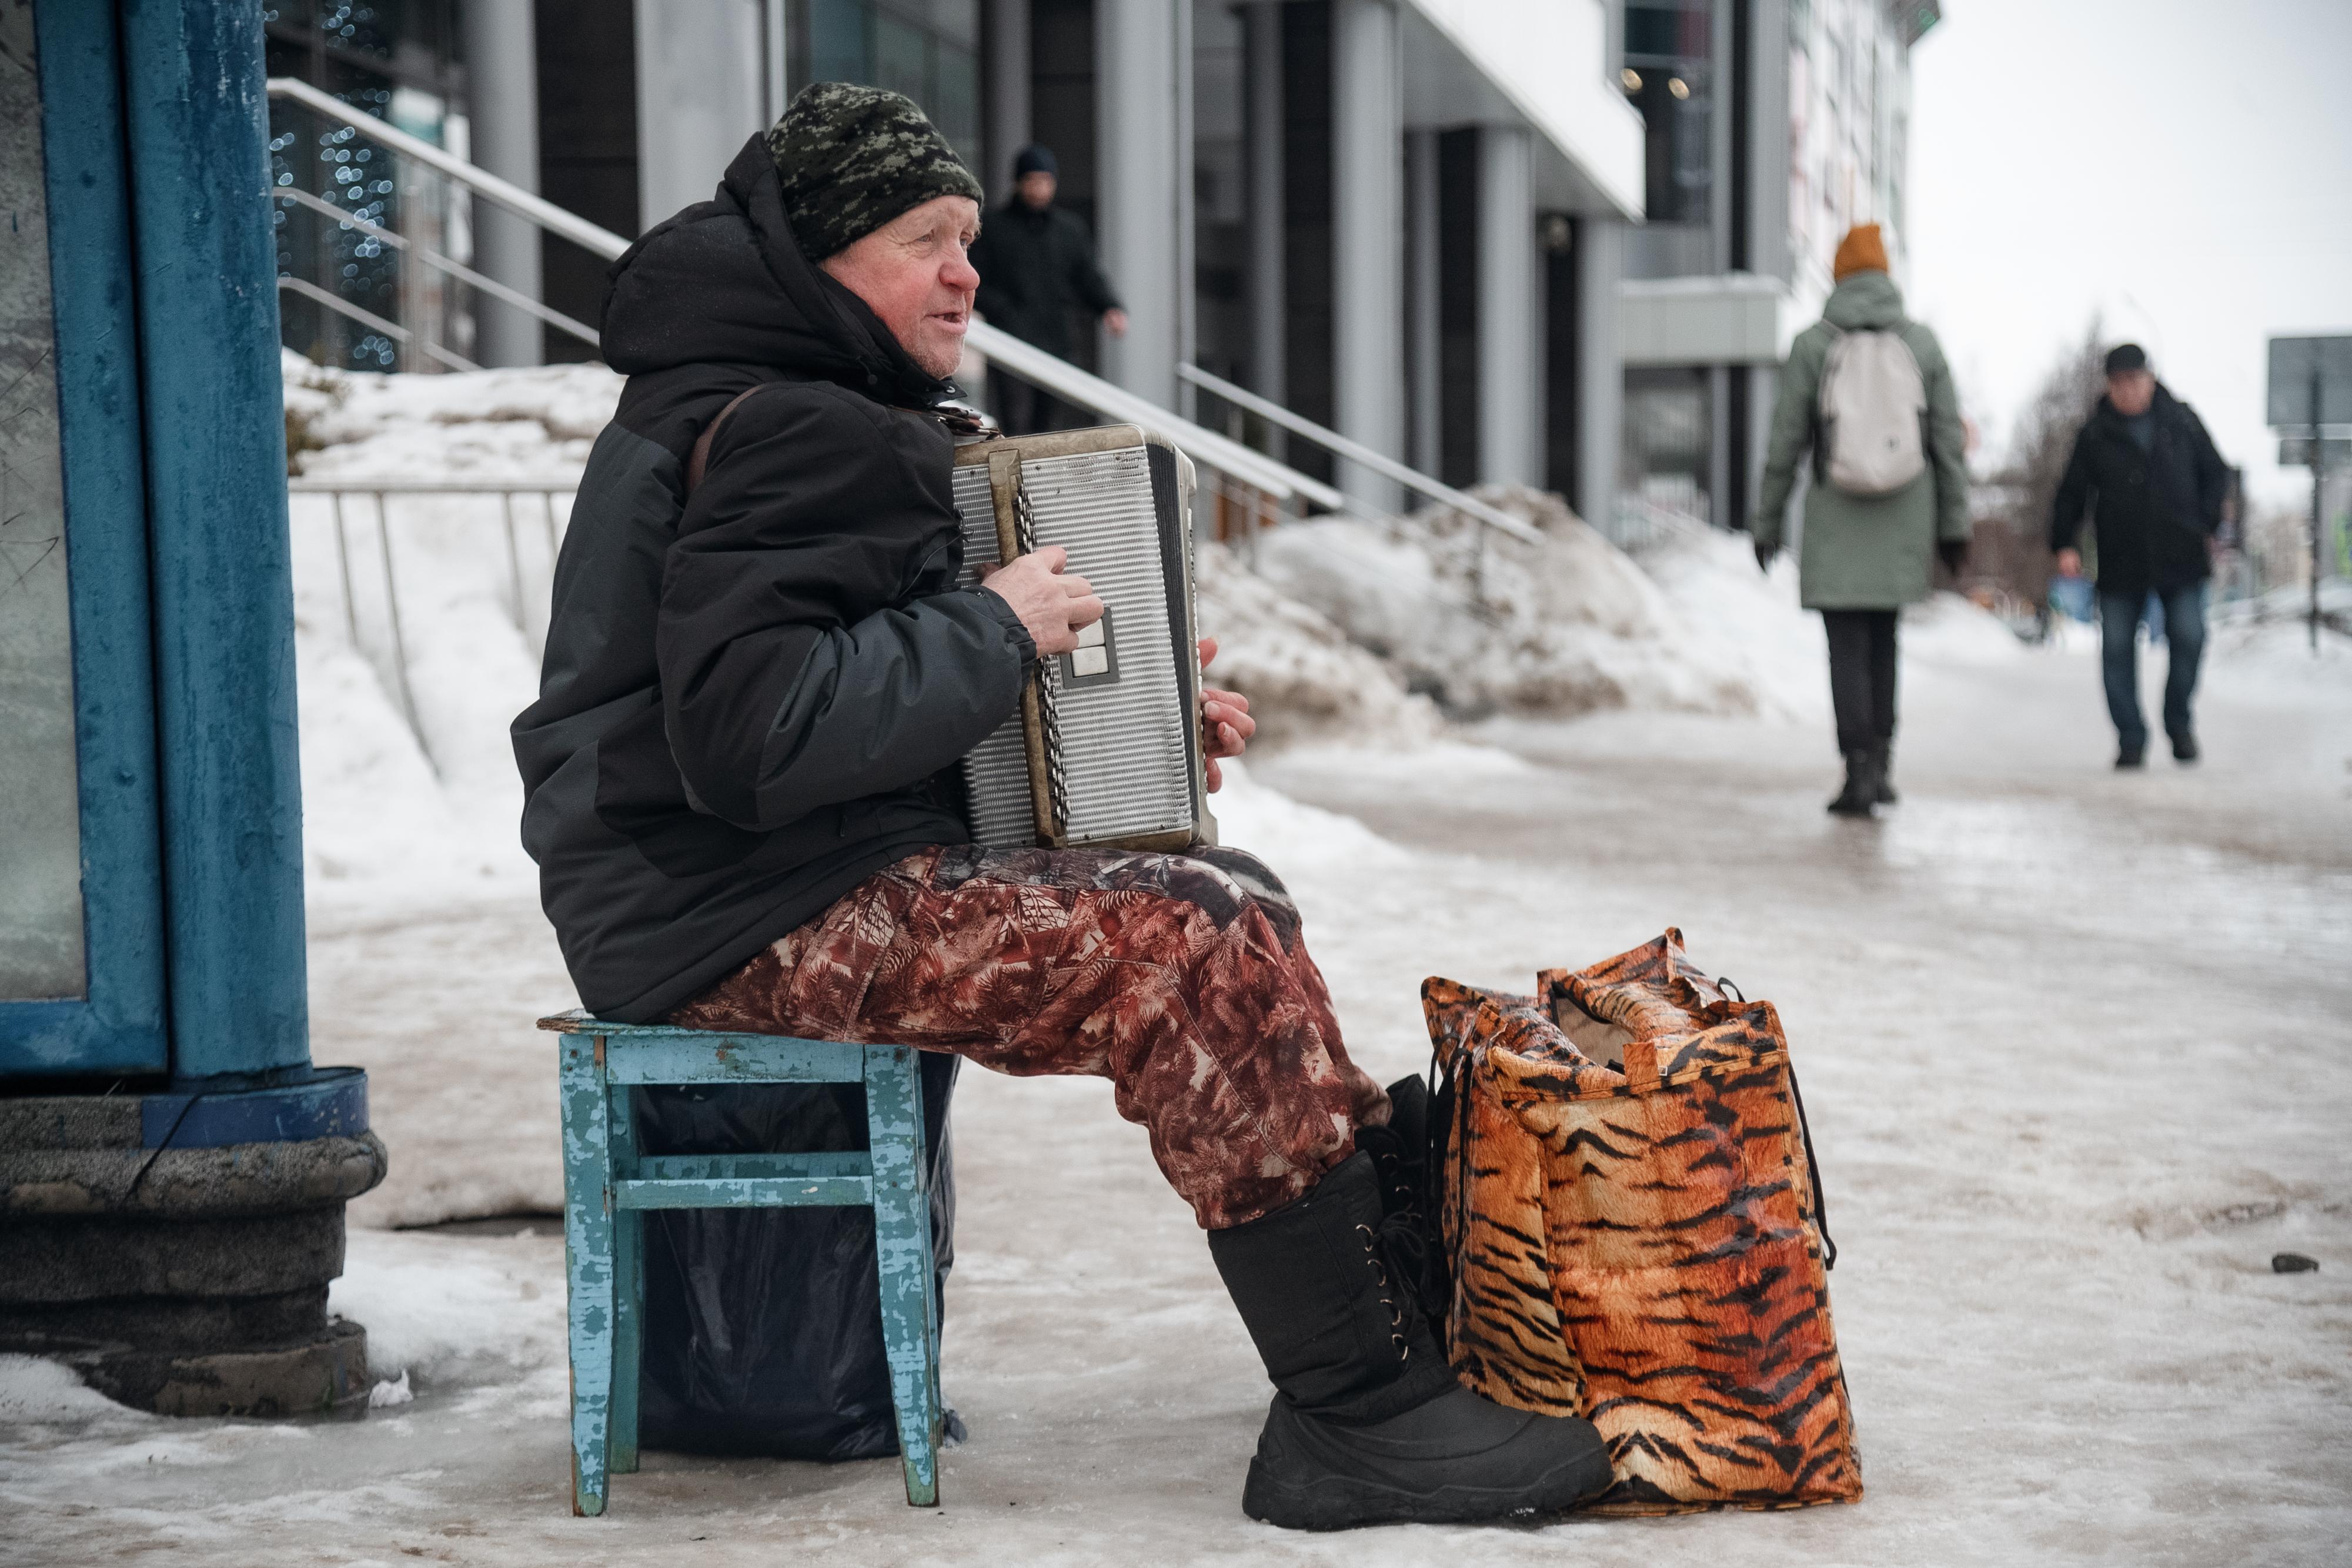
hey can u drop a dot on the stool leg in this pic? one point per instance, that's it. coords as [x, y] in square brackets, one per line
[588, 1262]
[628, 1288]
[902, 1234]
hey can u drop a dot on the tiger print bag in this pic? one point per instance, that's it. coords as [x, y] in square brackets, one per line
[1633, 1225]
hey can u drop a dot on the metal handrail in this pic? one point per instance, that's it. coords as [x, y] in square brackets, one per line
[1331, 441]
[598, 242]
[380, 490]
[1066, 382]
[365, 317]
[1058, 376]
[489, 286]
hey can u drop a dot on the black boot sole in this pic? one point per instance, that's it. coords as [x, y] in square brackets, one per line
[1342, 1502]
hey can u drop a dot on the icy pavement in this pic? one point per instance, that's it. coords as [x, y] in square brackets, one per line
[2074, 1047]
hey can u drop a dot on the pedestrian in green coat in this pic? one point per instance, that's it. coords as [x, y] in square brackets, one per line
[1864, 557]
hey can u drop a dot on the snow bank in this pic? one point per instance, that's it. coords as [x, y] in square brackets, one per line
[528, 424]
[441, 1308]
[409, 784]
[1565, 626]
[1304, 678]
[35, 1392]
[2268, 638]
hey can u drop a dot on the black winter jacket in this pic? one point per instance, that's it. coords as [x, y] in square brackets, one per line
[753, 698]
[1036, 270]
[2155, 510]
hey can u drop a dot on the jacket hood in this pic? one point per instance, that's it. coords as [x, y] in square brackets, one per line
[724, 282]
[1864, 302]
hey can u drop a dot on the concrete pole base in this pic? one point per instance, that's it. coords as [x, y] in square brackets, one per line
[188, 1282]
[328, 1376]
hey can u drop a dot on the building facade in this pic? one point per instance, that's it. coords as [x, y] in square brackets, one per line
[1400, 219]
[1770, 128]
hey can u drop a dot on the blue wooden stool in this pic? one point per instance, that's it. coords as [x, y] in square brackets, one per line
[608, 1186]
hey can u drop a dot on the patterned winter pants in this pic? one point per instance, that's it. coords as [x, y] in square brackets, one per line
[1179, 977]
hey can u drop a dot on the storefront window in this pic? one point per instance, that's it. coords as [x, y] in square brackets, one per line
[1669, 76]
[41, 954]
[394, 59]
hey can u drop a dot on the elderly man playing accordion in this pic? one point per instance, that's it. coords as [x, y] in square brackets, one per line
[761, 670]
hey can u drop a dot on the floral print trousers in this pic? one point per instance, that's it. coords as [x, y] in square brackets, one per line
[1179, 977]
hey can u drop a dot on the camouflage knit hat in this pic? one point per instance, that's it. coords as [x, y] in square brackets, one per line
[852, 157]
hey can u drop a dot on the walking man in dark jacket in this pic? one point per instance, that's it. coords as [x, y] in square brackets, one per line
[1037, 272]
[2154, 484]
[765, 659]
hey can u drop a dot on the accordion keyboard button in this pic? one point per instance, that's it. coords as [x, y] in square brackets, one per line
[1091, 636]
[1094, 661]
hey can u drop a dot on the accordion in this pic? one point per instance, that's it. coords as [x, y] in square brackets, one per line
[1105, 751]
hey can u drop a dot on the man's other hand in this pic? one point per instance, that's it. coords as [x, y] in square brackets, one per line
[1225, 723]
[1053, 605]
[1115, 321]
[2070, 563]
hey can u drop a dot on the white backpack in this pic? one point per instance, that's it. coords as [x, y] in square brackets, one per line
[1872, 401]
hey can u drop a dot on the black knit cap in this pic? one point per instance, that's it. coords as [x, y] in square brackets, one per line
[852, 157]
[2125, 357]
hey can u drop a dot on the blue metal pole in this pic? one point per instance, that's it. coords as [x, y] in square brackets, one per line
[223, 581]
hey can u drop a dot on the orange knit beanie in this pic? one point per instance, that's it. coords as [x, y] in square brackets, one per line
[1861, 251]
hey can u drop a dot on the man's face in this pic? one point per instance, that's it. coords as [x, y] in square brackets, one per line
[911, 272]
[1037, 189]
[2131, 391]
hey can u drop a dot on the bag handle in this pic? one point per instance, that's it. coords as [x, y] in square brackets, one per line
[697, 462]
[1643, 1018]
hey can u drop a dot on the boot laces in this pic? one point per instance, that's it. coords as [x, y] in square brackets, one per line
[1398, 1252]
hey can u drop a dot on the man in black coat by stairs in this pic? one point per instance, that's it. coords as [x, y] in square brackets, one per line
[2154, 484]
[1037, 272]
[763, 662]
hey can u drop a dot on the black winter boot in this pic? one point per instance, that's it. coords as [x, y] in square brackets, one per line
[1368, 1424]
[1885, 762]
[1859, 796]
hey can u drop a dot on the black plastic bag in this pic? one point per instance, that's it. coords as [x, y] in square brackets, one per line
[763, 1327]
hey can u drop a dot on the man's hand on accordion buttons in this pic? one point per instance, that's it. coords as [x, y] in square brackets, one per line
[1225, 723]
[1053, 605]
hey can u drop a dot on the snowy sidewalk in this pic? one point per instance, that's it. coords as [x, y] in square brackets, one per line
[2074, 1045]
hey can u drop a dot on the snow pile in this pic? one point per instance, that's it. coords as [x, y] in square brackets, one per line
[35, 1392]
[419, 617]
[1565, 626]
[1304, 678]
[2270, 635]
[509, 424]
[442, 1307]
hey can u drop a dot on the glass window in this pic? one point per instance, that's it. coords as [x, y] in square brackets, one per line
[395, 59]
[1666, 439]
[928, 49]
[41, 956]
[1669, 76]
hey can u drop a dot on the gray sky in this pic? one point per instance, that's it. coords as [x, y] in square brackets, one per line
[2182, 167]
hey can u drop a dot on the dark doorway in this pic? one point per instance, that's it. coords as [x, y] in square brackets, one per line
[1562, 404]
[1307, 221]
[587, 149]
[1457, 307]
[1062, 117]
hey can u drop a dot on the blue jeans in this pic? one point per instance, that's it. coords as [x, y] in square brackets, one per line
[2184, 633]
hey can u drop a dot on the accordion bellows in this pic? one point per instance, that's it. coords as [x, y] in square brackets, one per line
[1635, 1235]
[1105, 750]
